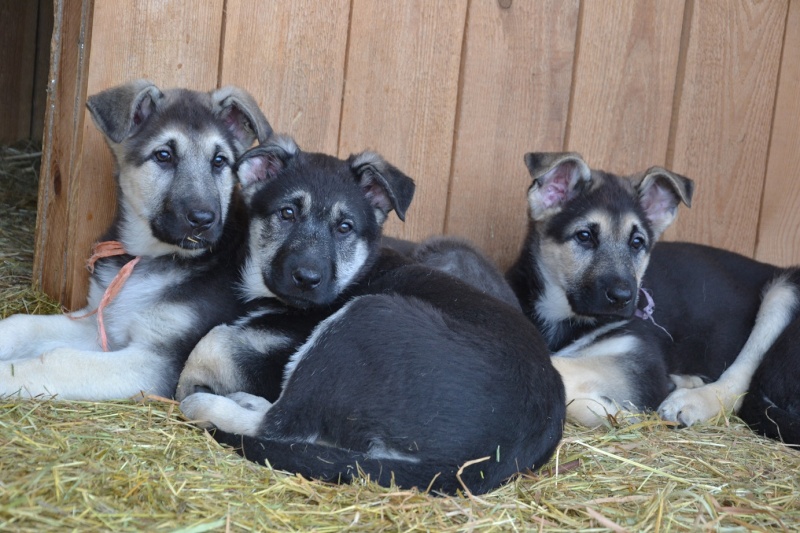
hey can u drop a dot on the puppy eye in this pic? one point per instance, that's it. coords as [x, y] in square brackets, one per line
[287, 213]
[219, 161]
[584, 236]
[345, 228]
[637, 242]
[163, 156]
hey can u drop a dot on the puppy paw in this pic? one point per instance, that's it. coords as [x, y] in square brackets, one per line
[691, 406]
[203, 408]
[227, 414]
[592, 411]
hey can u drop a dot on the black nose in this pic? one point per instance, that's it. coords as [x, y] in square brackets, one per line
[201, 220]
[619, 296]
[306, 278]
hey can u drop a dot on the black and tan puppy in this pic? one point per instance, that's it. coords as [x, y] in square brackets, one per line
[629, 321]
[415, 377]
[166, 270]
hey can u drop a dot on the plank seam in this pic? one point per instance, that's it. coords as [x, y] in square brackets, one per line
[680, 80]
[574, 76]
[456, 120]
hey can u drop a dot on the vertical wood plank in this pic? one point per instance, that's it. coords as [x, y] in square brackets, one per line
[400, 97]
[171, 43]
[516, 87]
[61, 136]
[779, 227]
[17, 58]
[723, 119]
[624, 83]
[290, 56]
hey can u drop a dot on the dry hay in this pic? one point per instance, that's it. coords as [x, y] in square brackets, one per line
[19, 166]
[128, 466]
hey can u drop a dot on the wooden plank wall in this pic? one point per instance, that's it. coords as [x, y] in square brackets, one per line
[454, 92]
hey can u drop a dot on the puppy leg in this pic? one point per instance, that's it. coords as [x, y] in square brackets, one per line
[225, 356]
[239, 413]
[25, 336]
[604, 377]
[211, 365]
[690, 406]
[592, 386]
[74, 374]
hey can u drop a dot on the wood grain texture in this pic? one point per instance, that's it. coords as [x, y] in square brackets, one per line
[290, 56]
[517, 71]
[624, 83]
[724, 116]
[400, 97]
[18, 21]
[779, 227]
[454, 93]
[177, 44]
[60, 142]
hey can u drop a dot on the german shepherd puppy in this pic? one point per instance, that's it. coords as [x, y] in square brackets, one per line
[414, 377]
[630, 321]
[178, 234]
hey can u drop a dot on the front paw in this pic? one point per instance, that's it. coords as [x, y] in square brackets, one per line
[239, 413]
[692, 406]
[202, 409]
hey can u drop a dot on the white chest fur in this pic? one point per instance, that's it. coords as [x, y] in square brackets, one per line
[141, 312]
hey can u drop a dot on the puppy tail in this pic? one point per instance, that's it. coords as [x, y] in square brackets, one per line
[769, 419]
[337, 465]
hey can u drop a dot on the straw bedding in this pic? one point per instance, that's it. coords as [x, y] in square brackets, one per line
[128, 466]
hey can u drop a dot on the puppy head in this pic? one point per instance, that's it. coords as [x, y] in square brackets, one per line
[592, 233]
[174, 153]
[315, 220]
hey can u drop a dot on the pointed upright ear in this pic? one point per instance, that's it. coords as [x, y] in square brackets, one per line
[660, 193]
[557, 178]
[242, 116]
[385, 187]
[264, 162]
[120, 111]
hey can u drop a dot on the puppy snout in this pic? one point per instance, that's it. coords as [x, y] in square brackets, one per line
[306, 278]
[619, 296]
[200, 219]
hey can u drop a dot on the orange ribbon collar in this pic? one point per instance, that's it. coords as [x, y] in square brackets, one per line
[99, 251]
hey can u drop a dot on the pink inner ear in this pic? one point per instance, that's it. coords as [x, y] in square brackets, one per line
[556, 187]
[376, 195]
[237, 123]
[142, 111]
[253, 170]
[658, 202]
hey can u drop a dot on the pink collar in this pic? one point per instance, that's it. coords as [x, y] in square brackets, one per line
[100, 251]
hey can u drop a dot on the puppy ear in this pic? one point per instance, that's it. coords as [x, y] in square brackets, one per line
[660, 193]
[121, 111]
[264, 162]
[241, 115]
[385, 187]
[557, 178]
